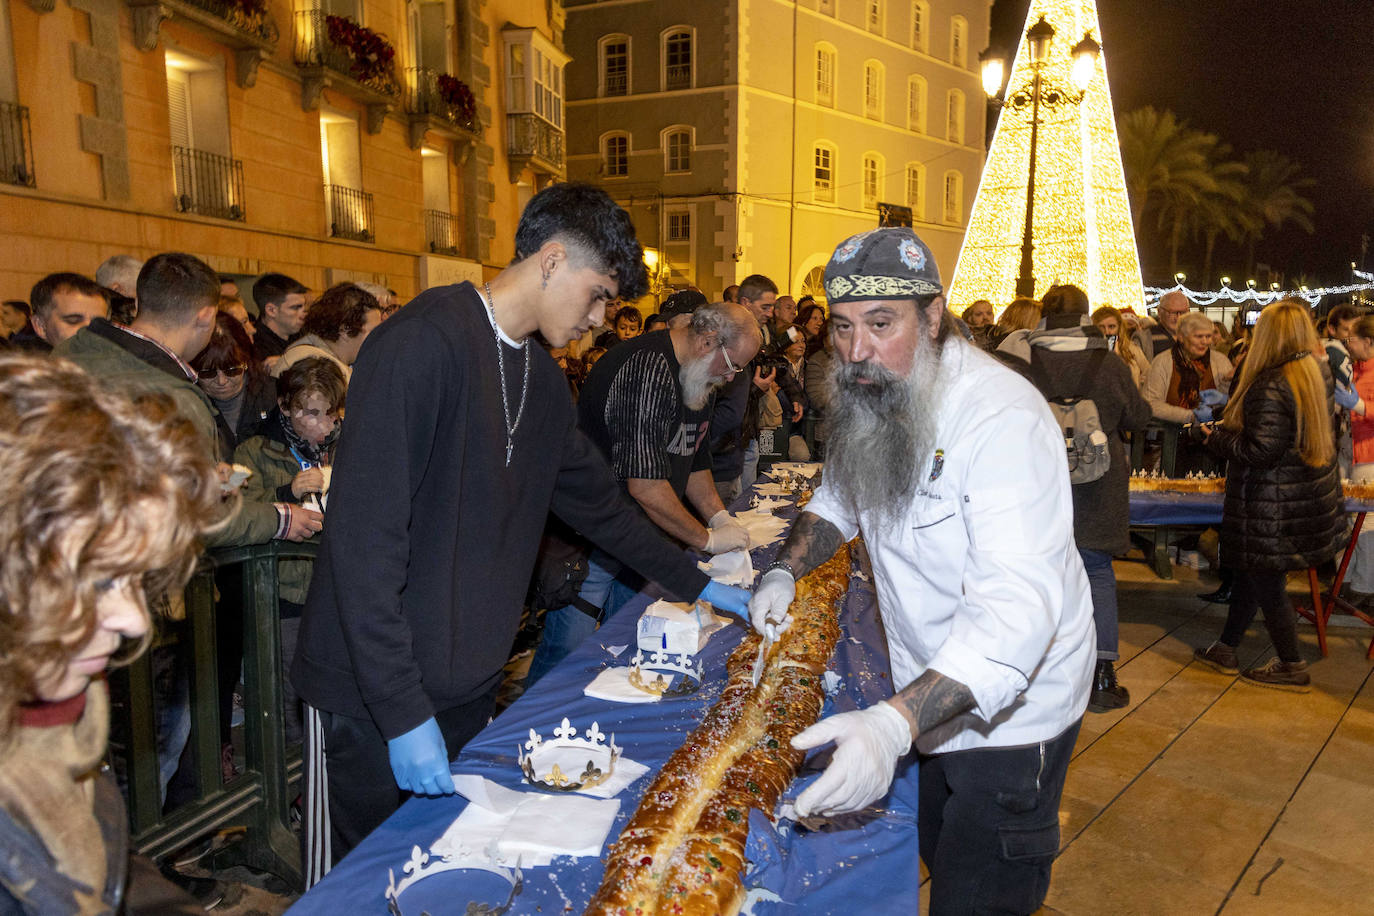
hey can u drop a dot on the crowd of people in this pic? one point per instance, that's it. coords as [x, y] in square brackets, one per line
[532, 443]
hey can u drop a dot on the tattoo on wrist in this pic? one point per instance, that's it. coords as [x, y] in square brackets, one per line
[813, 541]
[932, 699]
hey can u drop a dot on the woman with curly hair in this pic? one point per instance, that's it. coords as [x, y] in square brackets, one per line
[1283, 494]
[105, 497]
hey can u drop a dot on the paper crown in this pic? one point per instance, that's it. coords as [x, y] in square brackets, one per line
[558, 763]
[664, 662]
[423, 865]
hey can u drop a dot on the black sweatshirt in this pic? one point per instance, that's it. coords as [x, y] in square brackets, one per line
[430, 538]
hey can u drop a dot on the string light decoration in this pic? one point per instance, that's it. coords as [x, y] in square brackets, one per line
[1082, 231]
[1260, 297]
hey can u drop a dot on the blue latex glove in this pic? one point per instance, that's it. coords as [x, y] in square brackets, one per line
[1346, 397]
[1203, 414]
[1211, 397]
[419, 760]
[727, 598]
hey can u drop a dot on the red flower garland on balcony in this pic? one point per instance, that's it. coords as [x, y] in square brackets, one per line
[370, 53]
[457, 96]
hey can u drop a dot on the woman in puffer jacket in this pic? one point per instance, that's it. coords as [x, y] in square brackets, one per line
[1283, 493]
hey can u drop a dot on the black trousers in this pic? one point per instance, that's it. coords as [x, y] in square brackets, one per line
[989, 825]
[362, 790]
[1267, 589]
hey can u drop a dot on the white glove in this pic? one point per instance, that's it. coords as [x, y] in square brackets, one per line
[868, 744]
[725, 534]
[768, 607]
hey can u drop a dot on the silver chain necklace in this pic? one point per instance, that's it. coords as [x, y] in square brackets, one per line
[501, 367]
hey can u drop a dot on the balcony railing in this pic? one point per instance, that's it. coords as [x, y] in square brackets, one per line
[16, 145]
[246, 15]
[246, 26]
[441, 232]
[208, 184]
[425, 95]
[679, 76]
[617, 83]
[350, 213]
[530, 139]
[315, 48]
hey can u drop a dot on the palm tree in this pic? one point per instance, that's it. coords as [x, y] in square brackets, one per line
[1221, 212]
[1274, 197]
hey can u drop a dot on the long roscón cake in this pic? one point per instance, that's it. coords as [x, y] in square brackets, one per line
[683, 850]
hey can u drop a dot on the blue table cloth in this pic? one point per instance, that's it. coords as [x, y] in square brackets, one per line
[871, 856]
[1154, 507]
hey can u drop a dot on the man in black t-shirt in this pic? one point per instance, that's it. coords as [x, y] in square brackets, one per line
[647, 406]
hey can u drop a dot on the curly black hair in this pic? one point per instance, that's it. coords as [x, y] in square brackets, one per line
[340, 310]
[594, 226]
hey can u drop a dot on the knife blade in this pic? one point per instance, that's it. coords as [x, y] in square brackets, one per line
[764, 646]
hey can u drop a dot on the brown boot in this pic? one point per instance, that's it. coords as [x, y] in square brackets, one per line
[1219, 657]
[1280, 675]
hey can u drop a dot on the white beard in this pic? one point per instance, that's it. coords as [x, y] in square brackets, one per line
[881, 434]
[698, 382]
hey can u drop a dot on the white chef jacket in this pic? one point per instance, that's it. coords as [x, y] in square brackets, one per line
[981, 580]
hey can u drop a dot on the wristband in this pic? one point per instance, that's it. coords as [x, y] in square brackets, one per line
[783, 565]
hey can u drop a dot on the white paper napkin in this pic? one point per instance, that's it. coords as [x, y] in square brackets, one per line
[614, 684]
[530, 826]
[731, 568]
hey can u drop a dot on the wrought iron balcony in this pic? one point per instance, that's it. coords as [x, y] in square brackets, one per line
[246, 26]
[16, 145]
[208, 184]
[679, 76]
[617, 84]
[350, 213]
[442, 103]
[532, 141]
[441, 232]
[337, 52]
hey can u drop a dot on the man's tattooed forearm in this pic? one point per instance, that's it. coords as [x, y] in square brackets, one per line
[813, 541]
[932, 699]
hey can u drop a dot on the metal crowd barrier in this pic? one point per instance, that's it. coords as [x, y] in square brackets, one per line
[258, 800]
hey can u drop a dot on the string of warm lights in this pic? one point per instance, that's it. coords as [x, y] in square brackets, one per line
[1260, 297]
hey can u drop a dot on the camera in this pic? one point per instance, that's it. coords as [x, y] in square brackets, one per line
[770, 361]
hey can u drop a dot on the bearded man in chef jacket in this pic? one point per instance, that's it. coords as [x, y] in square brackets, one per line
[953, 469]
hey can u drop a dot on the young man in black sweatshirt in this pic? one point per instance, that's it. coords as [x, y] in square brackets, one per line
[461, 437]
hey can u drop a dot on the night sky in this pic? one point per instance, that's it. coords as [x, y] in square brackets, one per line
[1296, 76]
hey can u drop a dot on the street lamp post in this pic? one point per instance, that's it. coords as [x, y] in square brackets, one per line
[1040, 90]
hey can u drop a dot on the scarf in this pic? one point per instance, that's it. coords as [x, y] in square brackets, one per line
[1190, 377]
[1083, 336]
[303, 449]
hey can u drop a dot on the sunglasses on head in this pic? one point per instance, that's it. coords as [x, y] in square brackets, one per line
[229, 372]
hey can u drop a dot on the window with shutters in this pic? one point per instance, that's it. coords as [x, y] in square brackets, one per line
[206, 179]
[958, 42]
[615, 65]
[954, 126]
[615, 155]
[873, 90]
[348, 208]
[677, 149]
[825, 75]
[873, 180]
[915, 189]
[916, 104]
[677, 59]
[823, 181]
[954, 197]
[920, 26]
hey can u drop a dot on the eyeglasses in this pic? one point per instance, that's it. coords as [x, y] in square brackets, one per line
[229, 372]
[728, 364]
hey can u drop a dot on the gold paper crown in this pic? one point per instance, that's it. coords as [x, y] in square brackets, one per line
[601, 757]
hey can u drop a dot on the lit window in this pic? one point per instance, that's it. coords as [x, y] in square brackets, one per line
[958, 42]
[954, 197]
[679, 226]
[873, 171]
[825, 173]
[915, 190]
[825, 76]
[616, 156]
[615, 66]
[920, 25]
[534, 76]
[873, 90]
[677, 60]
[874, 15]
[916, 104]
[678, 151]
[954, 126]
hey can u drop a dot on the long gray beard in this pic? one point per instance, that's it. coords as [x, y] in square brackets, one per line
[881, 434]
[697, 382]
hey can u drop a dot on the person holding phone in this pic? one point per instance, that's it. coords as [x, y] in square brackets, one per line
[1113, 327]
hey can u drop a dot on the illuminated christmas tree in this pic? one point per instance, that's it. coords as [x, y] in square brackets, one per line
[1081, 229]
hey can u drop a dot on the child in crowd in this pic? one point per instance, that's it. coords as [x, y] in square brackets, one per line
[107, 497]
[290, 460]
